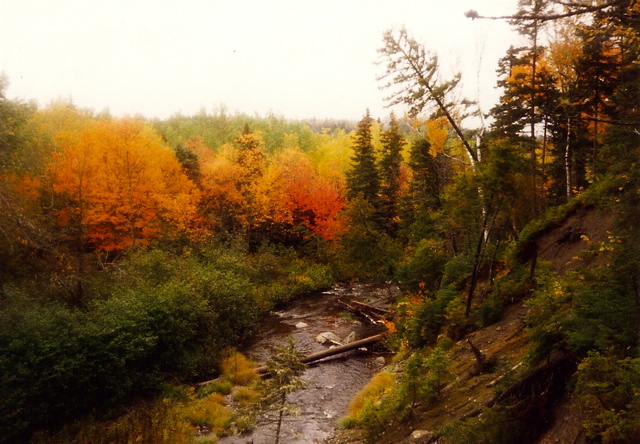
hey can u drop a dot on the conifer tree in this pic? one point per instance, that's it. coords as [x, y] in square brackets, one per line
[392, 142]
[364, 178]
[423, 193]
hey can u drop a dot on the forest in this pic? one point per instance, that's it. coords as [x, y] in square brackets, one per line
[136, 253]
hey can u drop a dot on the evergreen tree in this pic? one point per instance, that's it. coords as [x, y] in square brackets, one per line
[392, 142]
[364, 178]
[366, 251]
[423, 193]
[608, 83]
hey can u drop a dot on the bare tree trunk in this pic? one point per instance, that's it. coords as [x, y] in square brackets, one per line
[567, 159]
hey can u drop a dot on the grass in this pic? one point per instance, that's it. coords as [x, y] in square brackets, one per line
[238, 370]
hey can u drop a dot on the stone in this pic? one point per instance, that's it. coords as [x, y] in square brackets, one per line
[351, 337]
[302, 325]
[380, 361]
[328, 337]
[423, 437]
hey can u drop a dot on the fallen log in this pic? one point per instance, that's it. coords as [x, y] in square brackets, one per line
[332, 351]
[322, 354]
[383, 311]
[373, 317]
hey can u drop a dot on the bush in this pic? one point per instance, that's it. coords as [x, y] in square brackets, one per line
[608, 390]
[423, 322]
[166, 316]
[57, 363]
[237, 369]
[424, 377]
[458, 270]
[424, 268]
[375, 407]
[160, 316]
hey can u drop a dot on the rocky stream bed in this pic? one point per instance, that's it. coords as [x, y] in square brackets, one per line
[330, 384]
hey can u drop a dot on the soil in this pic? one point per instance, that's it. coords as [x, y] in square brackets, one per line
[562, 246]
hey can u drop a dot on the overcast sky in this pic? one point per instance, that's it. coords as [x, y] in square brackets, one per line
[297, 58]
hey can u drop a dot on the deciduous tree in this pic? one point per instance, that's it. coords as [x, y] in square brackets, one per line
[118, 186]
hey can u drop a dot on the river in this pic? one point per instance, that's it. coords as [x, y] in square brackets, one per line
[330, 385]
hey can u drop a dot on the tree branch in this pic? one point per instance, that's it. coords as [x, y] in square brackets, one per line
[581, 9]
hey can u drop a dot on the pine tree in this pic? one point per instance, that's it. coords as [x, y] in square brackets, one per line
[364, 178]
[423, 193]
[392, 142]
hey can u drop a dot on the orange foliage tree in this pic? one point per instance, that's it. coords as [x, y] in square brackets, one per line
[223, 201]
[244, 191]
[309, 198]
[117, 185]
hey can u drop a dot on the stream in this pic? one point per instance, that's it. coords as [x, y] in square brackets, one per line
[329, 385]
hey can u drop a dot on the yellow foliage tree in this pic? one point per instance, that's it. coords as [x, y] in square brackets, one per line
[119, 186]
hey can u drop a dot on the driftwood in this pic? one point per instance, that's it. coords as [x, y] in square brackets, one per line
[373, 314]
[371, 307]
[332, 351]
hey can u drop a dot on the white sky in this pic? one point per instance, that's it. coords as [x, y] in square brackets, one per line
[296, 58]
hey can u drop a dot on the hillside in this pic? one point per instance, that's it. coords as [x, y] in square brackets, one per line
[507, 378]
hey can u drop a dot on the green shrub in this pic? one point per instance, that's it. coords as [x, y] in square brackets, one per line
[165, 316]
[493, 426]
[458, 270]
[608, 391]
[424, 268]
[549, 311]
[57, 363]
[423, 323]
[424, 377]
[604, 312]
[506, 289]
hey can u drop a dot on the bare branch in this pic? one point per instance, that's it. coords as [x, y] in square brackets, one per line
[581, 8]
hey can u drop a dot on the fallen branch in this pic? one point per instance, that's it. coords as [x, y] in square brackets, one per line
[371, 307]
[372, 316]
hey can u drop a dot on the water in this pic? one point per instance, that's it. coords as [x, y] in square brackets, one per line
[330, 385]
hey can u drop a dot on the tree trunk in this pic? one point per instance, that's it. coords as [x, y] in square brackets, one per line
[332, 351]
[567, 164]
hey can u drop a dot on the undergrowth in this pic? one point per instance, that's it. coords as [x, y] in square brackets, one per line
[180, 414]
[390, 398]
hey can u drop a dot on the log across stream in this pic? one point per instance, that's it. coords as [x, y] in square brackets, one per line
[329, 385]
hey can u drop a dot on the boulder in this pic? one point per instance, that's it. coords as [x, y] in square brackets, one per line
[423, 437]
[380, 361]
[328, 337]
[302, 325]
